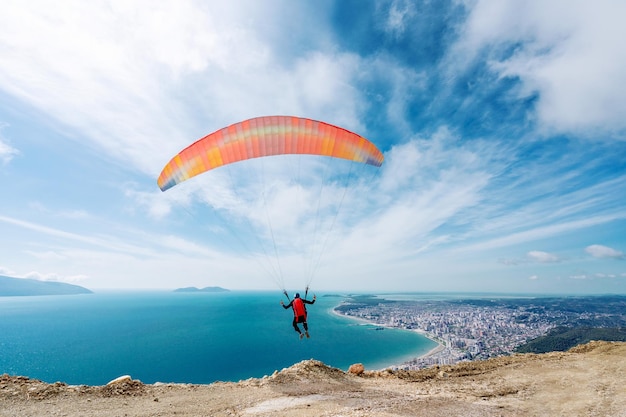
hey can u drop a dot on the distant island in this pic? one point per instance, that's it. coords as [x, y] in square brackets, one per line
[205, 289]
[10, 287]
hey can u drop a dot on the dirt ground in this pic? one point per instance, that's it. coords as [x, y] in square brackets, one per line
[589, 380]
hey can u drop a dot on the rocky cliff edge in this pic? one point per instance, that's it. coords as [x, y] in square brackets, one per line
[588, 380]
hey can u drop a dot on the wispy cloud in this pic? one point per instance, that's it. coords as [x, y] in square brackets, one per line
[398, 17]
[596, 276]
[541, 233]
[68, 214]
[111, 242]
[7, 152]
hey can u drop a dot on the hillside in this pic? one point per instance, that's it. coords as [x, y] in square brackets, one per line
[585, 381]
[22, 286]
[563, 338]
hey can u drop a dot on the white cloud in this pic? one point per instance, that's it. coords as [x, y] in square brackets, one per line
[533, 277]
[579, 276]
[603, 275]
[158, 204]
[604, 252]
[397, 18]
[7, 152]
[44, 276]
[570, 52]
[7, 271]
[54, 277]
[542, 257]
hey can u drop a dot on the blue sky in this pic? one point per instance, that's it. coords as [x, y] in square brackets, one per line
[503, 125]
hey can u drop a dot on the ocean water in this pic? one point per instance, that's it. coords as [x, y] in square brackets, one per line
[183, 337]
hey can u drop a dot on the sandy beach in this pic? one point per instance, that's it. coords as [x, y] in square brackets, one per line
[439, 348]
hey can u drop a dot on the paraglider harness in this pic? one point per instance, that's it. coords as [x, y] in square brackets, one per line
[299, 307]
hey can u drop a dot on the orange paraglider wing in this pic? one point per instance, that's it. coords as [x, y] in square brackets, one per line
[267, 136]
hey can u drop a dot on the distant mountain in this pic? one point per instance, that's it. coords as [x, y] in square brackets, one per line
[22, 286]
[205, 289]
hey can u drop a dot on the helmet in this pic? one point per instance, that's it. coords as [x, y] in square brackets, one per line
[297, 295]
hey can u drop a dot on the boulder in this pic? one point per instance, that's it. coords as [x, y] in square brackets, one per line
[356, 369]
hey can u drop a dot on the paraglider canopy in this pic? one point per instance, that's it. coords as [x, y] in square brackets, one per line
[267, 136]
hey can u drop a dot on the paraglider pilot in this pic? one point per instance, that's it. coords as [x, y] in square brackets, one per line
[299, 313]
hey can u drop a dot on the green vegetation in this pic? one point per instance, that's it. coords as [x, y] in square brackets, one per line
[563, 338]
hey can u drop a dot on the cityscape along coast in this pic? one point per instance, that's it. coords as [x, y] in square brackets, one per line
[476, 329]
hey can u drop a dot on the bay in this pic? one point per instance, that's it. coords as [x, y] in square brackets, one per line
[183, 337]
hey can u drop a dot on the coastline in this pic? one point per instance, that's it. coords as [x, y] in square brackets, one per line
[437, 349]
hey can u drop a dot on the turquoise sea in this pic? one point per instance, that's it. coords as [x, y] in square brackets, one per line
[183, 337]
